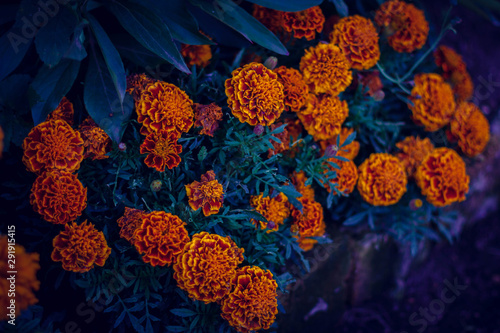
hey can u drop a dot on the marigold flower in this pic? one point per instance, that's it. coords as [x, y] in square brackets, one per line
[284, 137]
[162, 149]
[79, 247]
[164, 106]
[324, 116]
[462, 84]
[309, 223]
[255, 95]
[129, 222]
[433, 102]
[208, 194]
[346, 176]
[404, 23]
[207, 265]
[58, 196]
[208, 117]
[160, 238]
[442, 177]
[26, 266]
[413, 151]
[326, 69]
[304, 23]
[299, 181]
[136, 83]
[295, 88]
[358, 39]
[372, 81]
[471, 128]
[349, 151]
[198, 55]
[53, 144]
[270, 18]
[455, 71]
[64, 111]
[382, 179]
[252, 303]
[275, 210]
[97, 143]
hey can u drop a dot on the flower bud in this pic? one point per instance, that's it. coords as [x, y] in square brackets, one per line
[122, 146]
[271, 63]
[155, 185]
[258, 130]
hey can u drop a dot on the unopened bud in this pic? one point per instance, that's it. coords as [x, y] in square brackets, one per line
[331, 150]
[271, 63]
[416, 204]
[122, 146]
[155, 185]
[258, 130]
[271, 225]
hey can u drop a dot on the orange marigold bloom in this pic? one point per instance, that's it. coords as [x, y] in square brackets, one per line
[448, 60]
[208, 117]
[404, 23]
[326, 69]
[64, 111]
[433, 102]
[275, 210]
[58, 196]
[270, 18]
[350, 151]
[208, 194]
[79, 247]
[97, 143]
[53, 144]
[255, 95]
[413, 151]
[382, 179]
[198, 55]
[358, 39]
[442, 177]
[294, 86]
[304, 23]
[162, 149]
[160, 238]
[471, 128]
[136, 83]
[284, 137]
[309, 223]
[462, 84]
[207, 265]
[346, 176]
[252, 303]
[299, 181]
[129, 222]
[324, 116]
[26, 266]
[372, 81]
[164, 106]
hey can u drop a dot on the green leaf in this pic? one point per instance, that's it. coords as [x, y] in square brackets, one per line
[355, 219]
[341, 7]
[77, 50]
[102, 101]
[349, 139]
[183, 312]
[288, 5]
[135, 52]
[149, 30]
[236, 17]
[176, 328]
[111, 57]
[50, 86]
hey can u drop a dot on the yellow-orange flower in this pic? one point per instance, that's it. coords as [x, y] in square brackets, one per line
[26, 266]
[208, 117]
[382, 179]
[252, 303]
[136, 83]
[442, 177]
[324, 115]
[471, 128]
[346, 176]
[58, 196]
[413, 150]
[284, 137]
[326, 69]
[53, 144]
[372, 81]
[275, 210]
[299, 181]
[462, 84]
[64, 111]
[404, 23]
[198, 55]
[349, 151]
[255, 95]
[455, 71]
[97, 143]
[162, 149]
[80, 247]
[295, 88]
[433, 101]
[129, 222]
[207, 194]
[164, 106]
[160, 238]
[304, 23]
[358, 39]
[309, 223]
[207, 265]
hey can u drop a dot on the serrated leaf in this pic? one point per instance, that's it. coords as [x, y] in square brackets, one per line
[119, 319]
[183, 312]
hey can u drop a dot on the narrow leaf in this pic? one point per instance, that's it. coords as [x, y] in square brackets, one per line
[289, 5]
